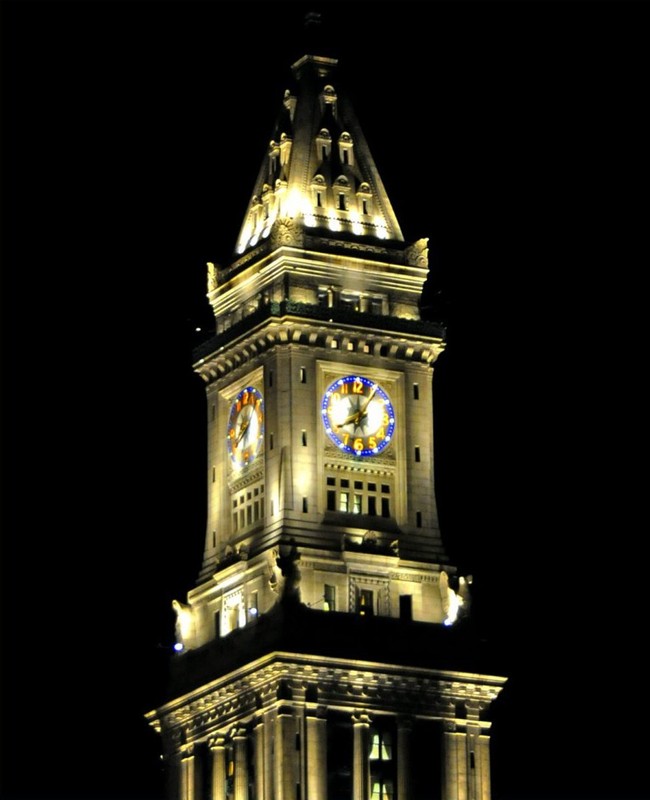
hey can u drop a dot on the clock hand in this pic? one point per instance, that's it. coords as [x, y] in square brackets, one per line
[244, 428]
[362, 410]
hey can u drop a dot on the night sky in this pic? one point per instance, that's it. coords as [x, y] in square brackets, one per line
[512, 135]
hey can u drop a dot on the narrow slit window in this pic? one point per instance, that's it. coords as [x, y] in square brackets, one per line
[270, 441]
[303, 375]
[346, 157]
[342, 206]
[304, 438]
[416, 391]
[364, 204]
[319, 199]
[417, 454]
[270, 378]
[418, 519]
[214, 474]
[323, 152]
[304, 505]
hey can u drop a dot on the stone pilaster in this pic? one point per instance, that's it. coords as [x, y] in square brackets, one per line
[404, 727]
[240, 743]
[316, 726]
[217, 747]
[361, 752]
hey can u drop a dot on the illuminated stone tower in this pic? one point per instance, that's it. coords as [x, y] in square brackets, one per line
[318, 659]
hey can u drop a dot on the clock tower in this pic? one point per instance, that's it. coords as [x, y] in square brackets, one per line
[319, 655]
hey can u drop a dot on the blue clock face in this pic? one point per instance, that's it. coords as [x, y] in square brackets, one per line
[358, 416]
[245, 427]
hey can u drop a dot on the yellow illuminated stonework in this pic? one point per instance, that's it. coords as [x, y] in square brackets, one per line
[324, 625]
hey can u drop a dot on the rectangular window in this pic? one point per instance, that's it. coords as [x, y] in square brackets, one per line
[345, 483]
[366, 348]
[364, 204]
[304, 438]
[418, 519]
[346, 156]
[256, 511]
[358, 484]
[341, 201]
[214, 474]
[331, 500]
[304, 505]
[319, 199]
[253, 608]
[385, 488]
[270, 441]
[365, 605]
[385, 507]
[372, 506]
[372, 487]
[329, 598]
[234, 522]
[344, 501]
[350, 345]
[214, 538]
[323, 152]
[331, 481]
[303, 375]
[357, 504]
[270, 378]
[472, 760]
[334, 344]
[217, 624]
[249, 515]
[417, 454]
[406, 607]
[242, 518]
[416, 391]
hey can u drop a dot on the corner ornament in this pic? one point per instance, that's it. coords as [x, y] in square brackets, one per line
[287, 232]
[417, 254]
[212, 276]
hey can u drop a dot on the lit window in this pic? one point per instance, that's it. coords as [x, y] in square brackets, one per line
[344, 501]
[365, 605]
[381, 747]
[357, 504]
[329, 598]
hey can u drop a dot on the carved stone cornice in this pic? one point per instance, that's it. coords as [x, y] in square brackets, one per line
[238, 698]
[271, 326]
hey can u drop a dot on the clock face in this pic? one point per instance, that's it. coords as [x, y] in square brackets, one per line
[246, 427]
[358, 416]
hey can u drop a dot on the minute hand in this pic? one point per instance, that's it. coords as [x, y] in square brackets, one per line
[362, 410]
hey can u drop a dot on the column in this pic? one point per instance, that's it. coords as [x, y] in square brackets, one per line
[454, 763]
[361, 763]
[240, 744]
[188, 773]
[218, 785]
[269, 733]
[404, 727]
[286, 755]
[316, 756]
[482, 757]
[259, 759]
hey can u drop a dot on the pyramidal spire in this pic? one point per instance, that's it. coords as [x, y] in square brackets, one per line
[318, 171]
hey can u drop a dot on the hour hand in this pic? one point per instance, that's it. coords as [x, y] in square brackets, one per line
[244, 428]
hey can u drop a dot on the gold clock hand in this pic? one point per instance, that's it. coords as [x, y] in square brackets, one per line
[244, 428]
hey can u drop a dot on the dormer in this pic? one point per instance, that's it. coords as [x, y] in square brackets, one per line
[342, 192]
[346, 151]
[364, 199]
[323, 144]
[328, 98]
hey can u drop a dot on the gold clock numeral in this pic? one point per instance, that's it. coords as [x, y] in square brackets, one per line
[381, 433]
[346, 438]
[345, 388]
[358, 444]
[357, 387]
[372, 442]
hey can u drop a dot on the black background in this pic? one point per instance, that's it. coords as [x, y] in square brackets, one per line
[512, 135]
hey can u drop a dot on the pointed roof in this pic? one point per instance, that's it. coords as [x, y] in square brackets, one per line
[318, 170]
